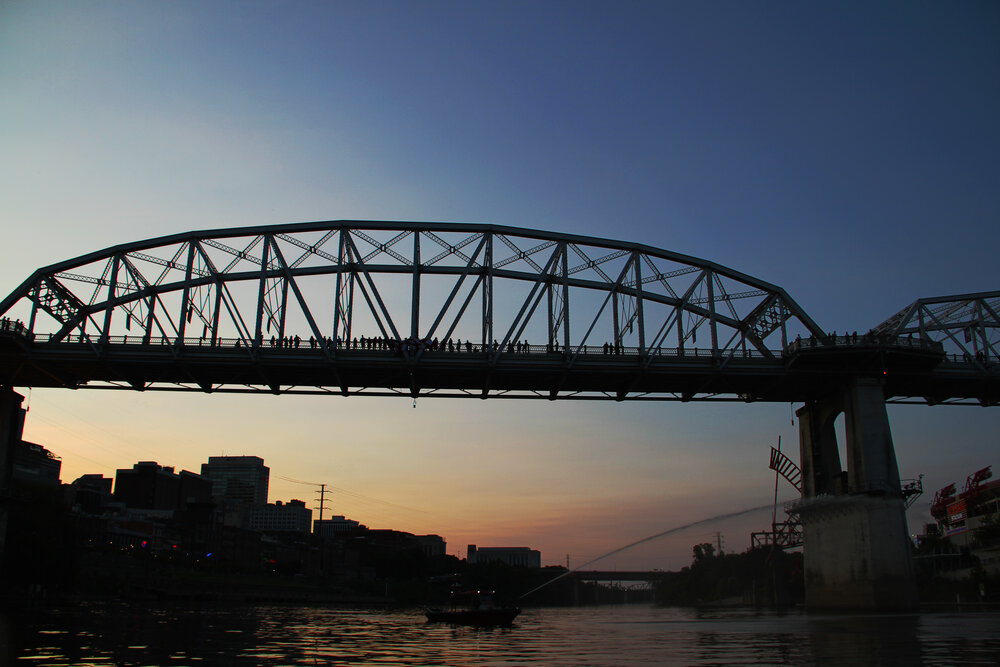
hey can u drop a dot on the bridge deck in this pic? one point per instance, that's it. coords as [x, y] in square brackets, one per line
[594, 372]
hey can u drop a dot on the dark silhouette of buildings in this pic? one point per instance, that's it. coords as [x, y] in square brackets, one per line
[337, 526]
[151, 486]
[35, 464]
[432, 545]
[290, 517]
[129, 532]
[513, 556]
[90, 494]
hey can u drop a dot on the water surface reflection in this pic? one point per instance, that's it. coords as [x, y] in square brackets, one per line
[151, 634]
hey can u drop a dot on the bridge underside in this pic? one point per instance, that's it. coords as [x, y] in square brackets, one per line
[590, 374]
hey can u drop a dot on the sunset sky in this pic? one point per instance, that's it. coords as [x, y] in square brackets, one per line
[844, 151]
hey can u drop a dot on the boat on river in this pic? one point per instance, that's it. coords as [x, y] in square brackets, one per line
[472, 608]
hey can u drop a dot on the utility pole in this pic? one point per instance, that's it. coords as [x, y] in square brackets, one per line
[322, 493]
[322, 500]
[718, 543]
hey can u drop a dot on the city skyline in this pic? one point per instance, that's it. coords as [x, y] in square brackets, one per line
[844, 153]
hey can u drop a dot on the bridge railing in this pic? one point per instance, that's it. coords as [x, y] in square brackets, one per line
[863, 340]
[390, 347]
[13, 328]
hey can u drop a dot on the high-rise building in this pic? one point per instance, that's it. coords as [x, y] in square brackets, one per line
[238, 478]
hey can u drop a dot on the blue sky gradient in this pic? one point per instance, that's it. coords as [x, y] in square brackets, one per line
[844, 151]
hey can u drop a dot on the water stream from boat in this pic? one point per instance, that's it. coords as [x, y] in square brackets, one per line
[700, 522]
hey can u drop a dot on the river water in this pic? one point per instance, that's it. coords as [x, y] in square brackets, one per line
[112, 633]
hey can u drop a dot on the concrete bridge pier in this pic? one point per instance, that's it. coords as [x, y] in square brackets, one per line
[857, 549]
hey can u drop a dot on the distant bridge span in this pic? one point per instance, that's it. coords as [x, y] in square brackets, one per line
[617, 575]
[463, 310]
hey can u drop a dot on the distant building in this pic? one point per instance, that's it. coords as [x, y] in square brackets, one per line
[432, 545]
[290, 517]
[513, 556]
[91, 493]
[151, 486]
[195, 489]
[391, 540]
[34, 463]
[238, 478]
[336, 526]
[94, 482]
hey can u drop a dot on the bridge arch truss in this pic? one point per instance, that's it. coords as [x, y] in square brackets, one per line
[336, 289]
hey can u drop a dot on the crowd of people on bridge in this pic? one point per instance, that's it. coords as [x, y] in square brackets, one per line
[854, 339]
[12, 326]
[413, 344]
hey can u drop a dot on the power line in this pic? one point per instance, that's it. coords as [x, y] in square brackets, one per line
[359, 496]
[322, 492]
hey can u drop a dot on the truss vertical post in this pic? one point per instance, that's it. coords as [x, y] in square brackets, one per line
[564, 270]
[639, 303]
[185, 296]
[551, 333]
[680, 327]
[337, 287]
[710, 280]
[258, 334]
[558, 298]
[415, 290]
[345, 311]
[112, 282]
[148, 335]
[34, 306]
[977, 330]
[783, 314]
[614, 317]
[284, 306]
[215, 312]
[488, 292]
[349, 322]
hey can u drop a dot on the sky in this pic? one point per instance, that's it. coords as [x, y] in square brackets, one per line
[844, 151]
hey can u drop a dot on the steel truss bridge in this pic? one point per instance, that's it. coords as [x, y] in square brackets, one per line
[464, 310]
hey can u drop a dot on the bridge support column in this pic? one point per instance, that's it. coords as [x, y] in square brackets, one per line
[11, 427]
[857, 547]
